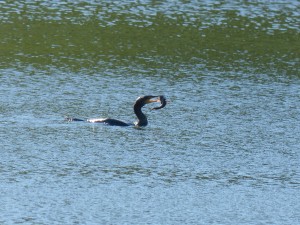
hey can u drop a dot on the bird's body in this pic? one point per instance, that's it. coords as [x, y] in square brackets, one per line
[109, 121]
[142, 119]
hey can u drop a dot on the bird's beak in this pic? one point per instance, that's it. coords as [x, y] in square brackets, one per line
[152, 99]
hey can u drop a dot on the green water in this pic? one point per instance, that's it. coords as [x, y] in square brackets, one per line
[218, 35]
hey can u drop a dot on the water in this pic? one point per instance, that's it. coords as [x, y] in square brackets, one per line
[225, 149]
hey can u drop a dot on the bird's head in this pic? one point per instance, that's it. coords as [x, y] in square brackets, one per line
[143, 100]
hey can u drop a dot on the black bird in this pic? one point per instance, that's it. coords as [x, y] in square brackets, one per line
[142, 119]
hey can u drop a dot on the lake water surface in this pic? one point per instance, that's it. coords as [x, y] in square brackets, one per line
[225, 149]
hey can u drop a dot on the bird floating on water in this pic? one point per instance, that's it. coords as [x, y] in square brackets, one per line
[139, 103]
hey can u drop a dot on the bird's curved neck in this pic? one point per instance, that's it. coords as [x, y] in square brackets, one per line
[142, 119]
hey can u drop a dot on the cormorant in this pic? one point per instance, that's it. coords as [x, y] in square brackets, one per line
[142, 119]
